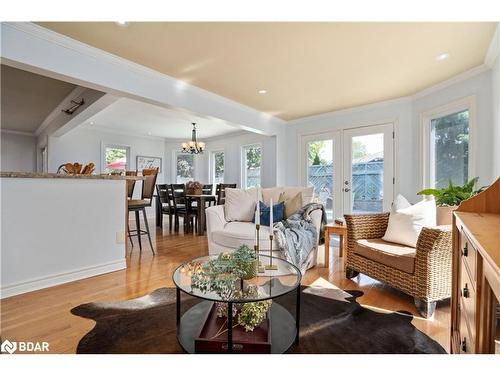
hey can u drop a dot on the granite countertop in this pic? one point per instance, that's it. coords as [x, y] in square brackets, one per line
[59, 175]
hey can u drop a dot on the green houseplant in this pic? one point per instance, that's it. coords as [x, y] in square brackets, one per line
[221, 275]
[448, 198]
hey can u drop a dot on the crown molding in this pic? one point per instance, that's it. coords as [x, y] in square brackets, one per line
[18, 132]
[451, 81]
[360, 108]
[494, 49]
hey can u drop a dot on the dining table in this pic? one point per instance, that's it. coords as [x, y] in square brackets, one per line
[201, 200]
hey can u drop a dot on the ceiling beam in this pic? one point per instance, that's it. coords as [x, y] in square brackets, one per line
[39, 50]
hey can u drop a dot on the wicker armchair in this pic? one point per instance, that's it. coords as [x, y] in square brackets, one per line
[430, 280]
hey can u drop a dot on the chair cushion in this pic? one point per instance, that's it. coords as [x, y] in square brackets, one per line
[289, 191]
[240, 204]
[390, 254]
[265, 213]
[292, 205]
[238, 233]
[406, 221]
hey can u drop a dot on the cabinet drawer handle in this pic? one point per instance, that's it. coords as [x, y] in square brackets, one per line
[465, 251]
[463, 345]
[465, 291]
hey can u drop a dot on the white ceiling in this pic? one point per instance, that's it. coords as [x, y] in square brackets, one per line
[139, 118]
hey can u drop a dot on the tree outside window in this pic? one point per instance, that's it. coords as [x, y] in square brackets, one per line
[218, 167]
[450, 149]
[253, 160]
[185, 168]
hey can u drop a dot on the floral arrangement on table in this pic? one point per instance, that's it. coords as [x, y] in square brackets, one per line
[194, 187]
[221, 275]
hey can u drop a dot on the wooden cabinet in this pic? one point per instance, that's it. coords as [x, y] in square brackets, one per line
[475, 297]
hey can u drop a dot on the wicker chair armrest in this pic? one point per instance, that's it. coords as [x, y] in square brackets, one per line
[366, 226]
[433, 263]
[433, 240]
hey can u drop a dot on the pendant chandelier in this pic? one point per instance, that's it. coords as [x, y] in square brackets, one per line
[193, 146]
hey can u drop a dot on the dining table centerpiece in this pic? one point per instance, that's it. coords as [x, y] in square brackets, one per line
[194, 188]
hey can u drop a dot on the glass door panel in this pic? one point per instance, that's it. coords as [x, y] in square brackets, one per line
[368, 169]
[319, 171]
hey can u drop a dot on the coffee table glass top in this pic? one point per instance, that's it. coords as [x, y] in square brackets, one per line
[267, 285]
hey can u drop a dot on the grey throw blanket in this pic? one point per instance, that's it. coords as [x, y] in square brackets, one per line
[297, 235]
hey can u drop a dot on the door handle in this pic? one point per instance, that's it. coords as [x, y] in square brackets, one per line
[465, 251]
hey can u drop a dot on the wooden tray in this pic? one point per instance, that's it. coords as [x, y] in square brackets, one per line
[256, 341]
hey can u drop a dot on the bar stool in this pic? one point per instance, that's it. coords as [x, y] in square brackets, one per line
[130, 194]
[137, 205]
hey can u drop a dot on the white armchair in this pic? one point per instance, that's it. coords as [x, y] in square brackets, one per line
[227, 236]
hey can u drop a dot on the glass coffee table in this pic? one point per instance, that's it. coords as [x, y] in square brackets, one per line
[269, 285]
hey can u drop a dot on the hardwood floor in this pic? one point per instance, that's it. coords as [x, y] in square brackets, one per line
[44, 315]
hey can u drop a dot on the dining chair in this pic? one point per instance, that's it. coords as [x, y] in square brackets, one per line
[208, 189]
[130, 194]
[182, 207]
[164, 204]
[148, 171]
[137, 205]
[221, 192]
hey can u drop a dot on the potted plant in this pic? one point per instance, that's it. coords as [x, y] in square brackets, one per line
[448, 198]
[194, 188]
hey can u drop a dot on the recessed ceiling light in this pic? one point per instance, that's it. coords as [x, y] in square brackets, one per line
[262, 92]
[442, 56]
[149, 133]
[122, 23]
[91, 122]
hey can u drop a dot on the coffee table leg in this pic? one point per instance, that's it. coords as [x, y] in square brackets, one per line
[297, 315]
[178, 307]
[230, 327]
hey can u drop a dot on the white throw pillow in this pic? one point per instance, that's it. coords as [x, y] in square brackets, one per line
[406, 221]
[240, 204]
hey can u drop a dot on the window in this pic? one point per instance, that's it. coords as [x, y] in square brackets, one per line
[252, 159]
[116, 158]
[184, 168]
[217, 169]
[447, 148]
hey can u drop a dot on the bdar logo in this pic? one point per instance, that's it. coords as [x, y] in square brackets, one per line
[9, 347]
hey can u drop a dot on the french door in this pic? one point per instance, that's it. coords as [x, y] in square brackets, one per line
[352, 171]
[320, 168]
[368, 171]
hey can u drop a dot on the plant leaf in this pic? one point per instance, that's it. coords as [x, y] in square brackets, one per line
[434, 192]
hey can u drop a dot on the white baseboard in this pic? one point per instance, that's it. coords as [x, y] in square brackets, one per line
[66, 277]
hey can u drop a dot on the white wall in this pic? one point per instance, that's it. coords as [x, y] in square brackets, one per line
[85, 144]
[232, 146]
[45, 235]
[405, 113]
[18, 152]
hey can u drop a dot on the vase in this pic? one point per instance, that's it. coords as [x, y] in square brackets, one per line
[444, 214]
[251, 270]
[198, 191]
